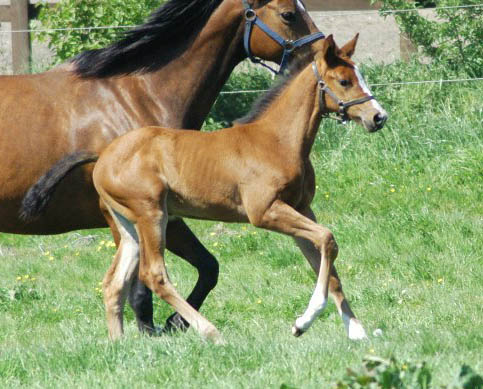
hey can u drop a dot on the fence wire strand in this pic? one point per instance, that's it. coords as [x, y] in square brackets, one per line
[248, 91]
[329, 14]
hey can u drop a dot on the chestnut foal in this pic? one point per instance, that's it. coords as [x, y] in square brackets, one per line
[257, 171]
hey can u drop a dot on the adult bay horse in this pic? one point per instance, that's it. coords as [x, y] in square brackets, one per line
[166, 72]
[258, 171]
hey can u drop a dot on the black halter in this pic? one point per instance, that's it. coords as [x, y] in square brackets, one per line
[343, 107]
[288, 45]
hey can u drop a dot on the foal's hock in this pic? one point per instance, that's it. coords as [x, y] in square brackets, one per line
[257, 171]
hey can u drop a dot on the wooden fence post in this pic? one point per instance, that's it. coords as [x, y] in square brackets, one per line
[19, 16]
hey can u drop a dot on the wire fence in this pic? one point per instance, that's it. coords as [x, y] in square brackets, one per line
[329, 14]
[459, 80]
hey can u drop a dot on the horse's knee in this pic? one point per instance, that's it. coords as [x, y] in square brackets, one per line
[329, 245]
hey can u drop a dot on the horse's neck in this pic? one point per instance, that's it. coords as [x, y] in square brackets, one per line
[188, 86]
[294, 117]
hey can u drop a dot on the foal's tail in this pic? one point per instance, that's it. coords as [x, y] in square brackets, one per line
[39, 195]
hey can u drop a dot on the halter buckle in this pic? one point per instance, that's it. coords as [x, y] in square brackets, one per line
[289, 46]
[250, 15]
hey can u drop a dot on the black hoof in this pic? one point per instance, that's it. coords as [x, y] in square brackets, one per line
[175, 323]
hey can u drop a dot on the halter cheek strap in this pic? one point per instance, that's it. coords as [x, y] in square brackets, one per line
[288, 46]
[343, 107]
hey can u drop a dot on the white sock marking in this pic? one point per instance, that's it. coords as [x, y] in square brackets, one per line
[355, 330]
[316, 306]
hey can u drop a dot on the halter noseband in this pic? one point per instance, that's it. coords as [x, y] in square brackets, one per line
[343, 107]
[288, 46]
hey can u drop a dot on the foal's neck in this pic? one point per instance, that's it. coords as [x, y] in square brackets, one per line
[294, 117]
[190, 83]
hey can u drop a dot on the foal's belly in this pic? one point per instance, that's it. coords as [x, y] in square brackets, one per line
[196, 208]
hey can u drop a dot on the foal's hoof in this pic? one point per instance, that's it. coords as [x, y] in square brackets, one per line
[297, 331]
[175, 323]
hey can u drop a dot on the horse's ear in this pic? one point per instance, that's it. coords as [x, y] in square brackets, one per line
[350, 47]
[329, 51]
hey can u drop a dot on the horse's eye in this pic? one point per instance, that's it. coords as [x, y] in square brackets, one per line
[344, 82]
[288, 16]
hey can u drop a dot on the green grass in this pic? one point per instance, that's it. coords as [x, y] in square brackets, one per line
[406, 208]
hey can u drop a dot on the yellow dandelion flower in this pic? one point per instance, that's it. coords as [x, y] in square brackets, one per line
[212, 233]
[77, 254]
[440, 280]
[428, 189]
[26, 276]
[19, 278]
[392, 190]
[103, 242]
[259, 301]
[51, 258]
[47, 253]
[33, 279]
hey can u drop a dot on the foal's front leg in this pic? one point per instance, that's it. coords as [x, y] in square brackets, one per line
[354, 328]
[282, 218]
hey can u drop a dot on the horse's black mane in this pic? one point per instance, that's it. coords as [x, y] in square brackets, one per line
[265, 100]
[150, 46]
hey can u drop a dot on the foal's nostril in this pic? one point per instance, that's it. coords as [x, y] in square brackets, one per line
[379, 119]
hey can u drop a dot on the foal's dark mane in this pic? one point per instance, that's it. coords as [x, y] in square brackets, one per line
[148, 47]
[264, 101]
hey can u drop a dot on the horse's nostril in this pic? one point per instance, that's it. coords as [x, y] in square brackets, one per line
[379, 119]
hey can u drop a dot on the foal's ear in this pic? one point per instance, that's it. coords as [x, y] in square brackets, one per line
[329, 52]
[350, 47]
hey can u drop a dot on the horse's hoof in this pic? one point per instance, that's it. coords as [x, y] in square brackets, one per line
[175, 323]
[297, 331]
[356, 330]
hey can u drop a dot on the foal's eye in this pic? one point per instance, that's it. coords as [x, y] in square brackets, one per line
[344, 82]
[288, 16]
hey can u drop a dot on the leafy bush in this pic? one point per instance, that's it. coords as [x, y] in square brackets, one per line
[229, 107]
[454, 37]
[89, 13]
[378, 373]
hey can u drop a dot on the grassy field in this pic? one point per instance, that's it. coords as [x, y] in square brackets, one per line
[406, 207]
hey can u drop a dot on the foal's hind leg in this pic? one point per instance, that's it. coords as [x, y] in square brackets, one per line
[354, 329]
[119, 276]
[151, 225]
[181, 241]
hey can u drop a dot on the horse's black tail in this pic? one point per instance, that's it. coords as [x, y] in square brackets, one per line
[39, 195]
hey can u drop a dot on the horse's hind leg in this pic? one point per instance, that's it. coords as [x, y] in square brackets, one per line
[152, 270]
[181, 241]
[354, 329]
[118, 278]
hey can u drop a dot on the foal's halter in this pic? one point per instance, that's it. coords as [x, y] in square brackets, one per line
[343, 107]
[288, 45]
